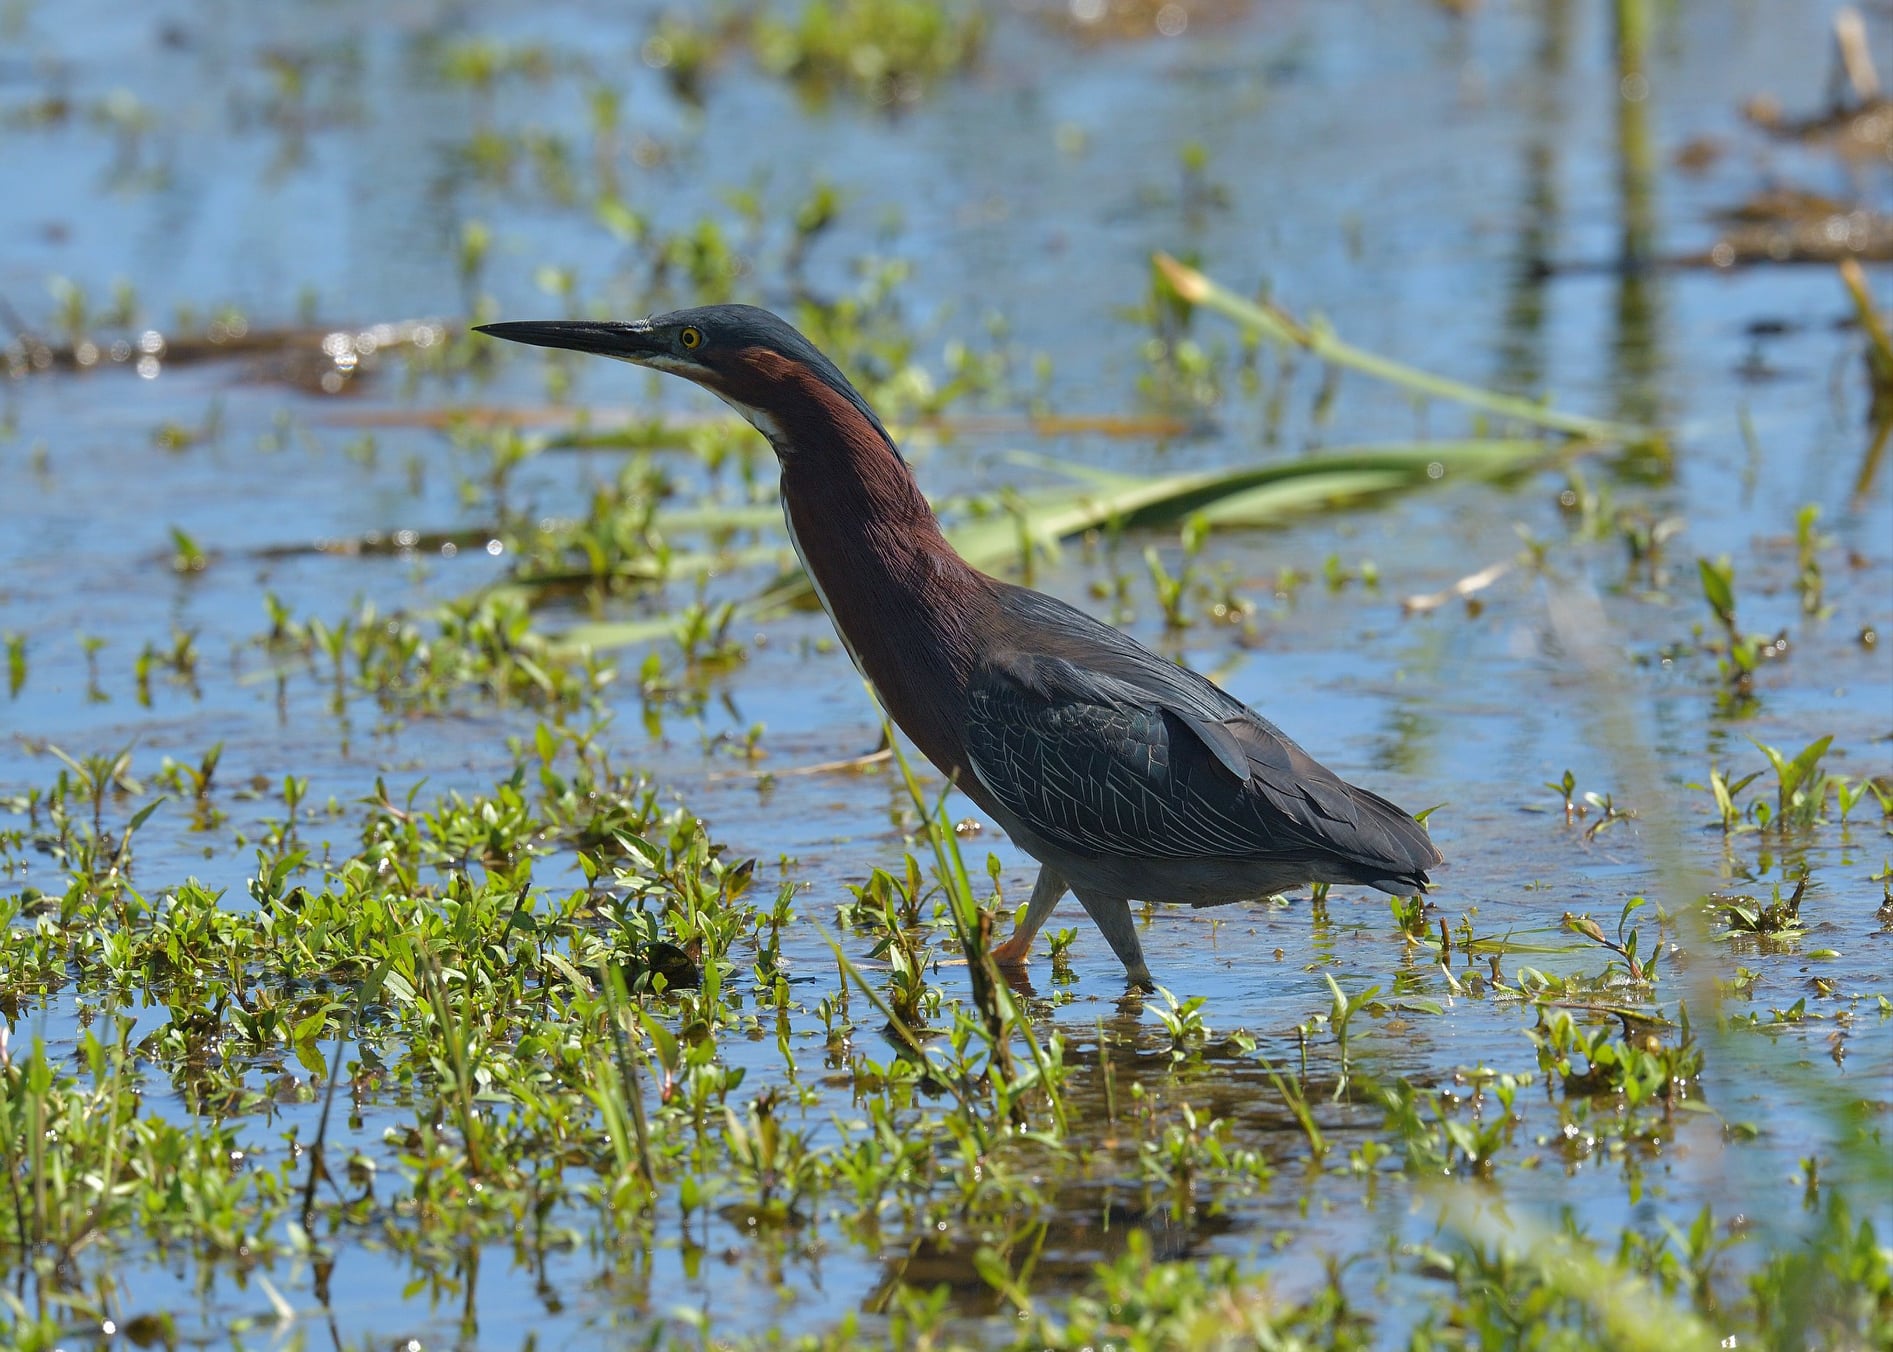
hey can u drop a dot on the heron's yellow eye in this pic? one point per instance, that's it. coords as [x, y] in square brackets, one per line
[691, 338]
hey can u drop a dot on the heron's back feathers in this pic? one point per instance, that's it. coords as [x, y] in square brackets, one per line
[1103, 748]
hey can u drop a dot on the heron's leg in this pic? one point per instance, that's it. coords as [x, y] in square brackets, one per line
[1112, 916]
[1045, 894]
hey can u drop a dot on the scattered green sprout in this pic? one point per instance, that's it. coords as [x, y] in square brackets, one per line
[1170, 589]
[1183, 1021]
[1801, 786]
[186, 555]
[1564, 787]
[1808, 544]
[1639, 1066]
[1341, 1019]
[1740, 652]
[1727, 792]
[1779, 917]
[1642, 969]
[888, 52]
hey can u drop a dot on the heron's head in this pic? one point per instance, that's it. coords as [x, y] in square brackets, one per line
[753, 360]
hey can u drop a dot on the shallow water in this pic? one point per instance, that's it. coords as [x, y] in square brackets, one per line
[1458, 193]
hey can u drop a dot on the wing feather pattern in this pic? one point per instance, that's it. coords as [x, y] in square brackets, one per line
[1103, 748]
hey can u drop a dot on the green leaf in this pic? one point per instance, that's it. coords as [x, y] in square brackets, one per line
[140, 817]
[1718, 588]
[371, 988]
[310, 1028]
[1803, 764]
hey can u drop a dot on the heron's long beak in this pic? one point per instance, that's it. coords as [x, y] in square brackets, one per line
[635, 341]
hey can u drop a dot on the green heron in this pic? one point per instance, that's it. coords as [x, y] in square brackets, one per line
[1126, 776]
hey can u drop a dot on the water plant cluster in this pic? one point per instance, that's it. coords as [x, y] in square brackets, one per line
[578, 1025]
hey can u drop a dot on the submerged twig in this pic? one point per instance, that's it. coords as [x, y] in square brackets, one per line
[1466, 586]
[846, 765]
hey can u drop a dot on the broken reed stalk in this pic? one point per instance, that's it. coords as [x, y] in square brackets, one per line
[1854, 57]
[1880, 373]
[1876, 452]
[1879, 344]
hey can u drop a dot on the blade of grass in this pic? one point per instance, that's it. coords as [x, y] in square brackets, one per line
[1254, 495]
[951, 864]
[613, 982]
[1277, 325]
[1297, 1104]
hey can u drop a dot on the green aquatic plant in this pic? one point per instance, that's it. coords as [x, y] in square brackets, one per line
[1171, 589]
[1726, 790]
[888, 52]
[1808, 544]
[1641, 968]
[1341, 1020]
[1184, 1023]
[1741, 652]
[1000, 1018]
[1564, 787]
[1780, 916]
[1801, 785]
[181, 659]
[1638, 1066]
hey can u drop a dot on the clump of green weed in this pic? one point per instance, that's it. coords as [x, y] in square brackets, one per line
[1637, 1064]
[888, 52]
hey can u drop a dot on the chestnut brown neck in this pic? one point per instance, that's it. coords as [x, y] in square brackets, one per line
[910, 611]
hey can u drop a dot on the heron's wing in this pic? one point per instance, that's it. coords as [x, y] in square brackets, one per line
[1101, 747]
